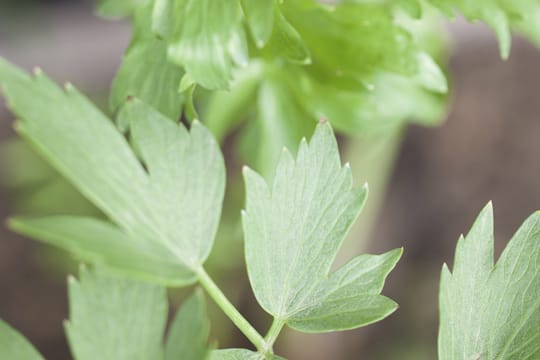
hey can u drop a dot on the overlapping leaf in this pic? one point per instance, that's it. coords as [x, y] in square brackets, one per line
[146, 73]
[114, 318]
[492, 311]
[293, 231]
[189, 331]
[208, 40]
[168, 214]
[14, 346]
[502, 16]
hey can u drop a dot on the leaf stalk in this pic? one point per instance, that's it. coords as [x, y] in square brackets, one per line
[230, 310]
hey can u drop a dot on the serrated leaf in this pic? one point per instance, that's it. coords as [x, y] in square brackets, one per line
[156, 207]
[208, 41]
[189, 331]
[113, 318]
[260, 18]
[293, 231]
[240, 354]
[501, 16]
[492, 312]
[14, 346]
[187, 175]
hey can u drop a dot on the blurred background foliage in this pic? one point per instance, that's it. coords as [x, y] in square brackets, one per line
[369, 67]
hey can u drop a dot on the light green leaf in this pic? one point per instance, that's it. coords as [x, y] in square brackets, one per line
[114, 318]
[187, 175]
[189, 331]
[225, 109]
[14, 346]
[147, 74]
[118, 8]
[492, 312]
[293, 231]
[170, 209]
[99, 242]
[208, 40]
[286, 42]
[350, 296]
[281, 122]
[240, 354]
[501, 15]
[260, 18]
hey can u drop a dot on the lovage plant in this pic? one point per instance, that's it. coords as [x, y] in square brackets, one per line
[273, 73]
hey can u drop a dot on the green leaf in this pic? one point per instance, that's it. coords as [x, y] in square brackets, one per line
[487, 311]
[293, 231]
[114, 318]
[189, 331]
[286, 42]
[240, 354]
[225, 109]
[501, 16]
[147, 74]
[14, 346]
[260, 18]
[118, 8]
[187, 175]
[208, 40]
[373, 41]
[102, 243]
[281, 122]
[173, 209]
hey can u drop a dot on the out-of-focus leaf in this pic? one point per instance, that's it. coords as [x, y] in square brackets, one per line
[119, 8]
[501, 15]
[114, 318]
[147, 74]
[260, 18]
[286, 42]
[226, 109]
[189, 331]
[14, 346]
[208, 41]
[492, 311]
[373, 42]
[293, 231]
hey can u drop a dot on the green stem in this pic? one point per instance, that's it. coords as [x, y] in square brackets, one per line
[273, 333]
[221, 300]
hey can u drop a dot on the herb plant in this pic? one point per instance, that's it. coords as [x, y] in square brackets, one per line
[272, 73]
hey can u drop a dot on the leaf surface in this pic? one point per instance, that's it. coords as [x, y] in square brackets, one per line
[208, 41]
[501, 15]
[145, 72]
[492, 311]
[172, 210]
[189, 330]
[113, 318]
[14, 346]
[293, 231]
